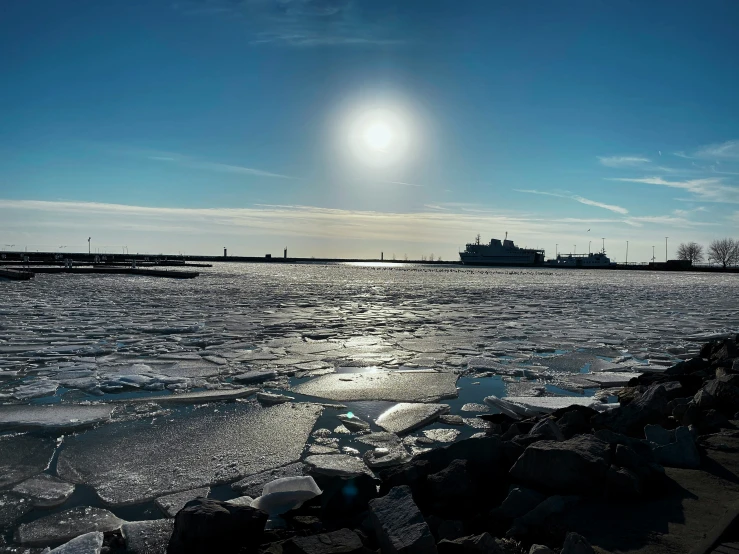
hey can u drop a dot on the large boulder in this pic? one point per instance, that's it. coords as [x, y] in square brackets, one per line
[412, 474]
[576, 544]
[450, 483]
[575, 466]
[536, 519]
[345, 497]
[681, 452]
[519, 502]
[399, 525]
[480, 544]
[724, 396]
[343, 541]
[688, 366]
[650, 407]
[208, 525]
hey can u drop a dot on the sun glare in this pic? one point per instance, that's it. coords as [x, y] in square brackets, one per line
[378, 136]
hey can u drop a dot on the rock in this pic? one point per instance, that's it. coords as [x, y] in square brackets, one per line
[519, 502]
[576, 544]
[207, 525]
[173, 503]
[335, 464]
[270, 399]
[548, 429]
[650, 407]
[688, 366]
[622, 483]
[44, 490]
[344, 497]
[725, 396]
[680, 453]
[89, 543]
[540, 549]
[480, 544]
[254, 484]
[577, 465]
[12, 508]
[537, 517]
[399, 525]
[640, 446]
[450, 529]
[483, 455]
[66, 525]
[147, 537]
[353, 423]
[283, 495]
[575, 422]
[343, 541]
[412, 474]
[241, 501]
[656, 434]
[406, 417]
[450, 483]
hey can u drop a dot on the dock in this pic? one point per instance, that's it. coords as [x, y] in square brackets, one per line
[16, 275]
[115, 271]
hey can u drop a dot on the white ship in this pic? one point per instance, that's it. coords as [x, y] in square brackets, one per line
[500, 253]
[594, 259]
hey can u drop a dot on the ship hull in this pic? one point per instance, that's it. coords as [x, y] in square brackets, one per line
[499, 261]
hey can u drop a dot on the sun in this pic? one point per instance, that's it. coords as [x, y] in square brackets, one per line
[378, 136]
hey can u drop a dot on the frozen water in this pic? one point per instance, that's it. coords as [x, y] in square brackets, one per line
[241, 501]
[197, 397]
[89, 543]
[136, 461]
[254, 484]
[54, 416]
[405, 417]
[336, 464]
[283, 495]
[531, 405]
[391, 386]
[442, 435]
[23, 456]
[147, 537]
[610, 379]
[173, 503]
[66, 525]
[45, 490]
[12, 507]
[270, 399]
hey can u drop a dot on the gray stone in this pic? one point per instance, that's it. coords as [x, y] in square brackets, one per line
[66, 525]
[537, 517]
[480, 544]
[451, 482]
[406, 417]
[577, 465]
[576, 544]
[657, 434]
[681, 453]
[89, 543]
[173, 503]
[45, 490]
[343, 541]
[622, 483]
[547, 428]
[399, 525]
[630, 419]
[22, 456]
[147, 537]
[540, 549]
[253, 484]
[519, 502]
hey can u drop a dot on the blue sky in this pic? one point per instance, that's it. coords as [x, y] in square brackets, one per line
[189, 125]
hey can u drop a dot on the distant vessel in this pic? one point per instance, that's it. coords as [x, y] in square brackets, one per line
[595, 259]
[497, 253]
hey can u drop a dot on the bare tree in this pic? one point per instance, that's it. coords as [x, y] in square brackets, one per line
[724, 251]
[691, 251]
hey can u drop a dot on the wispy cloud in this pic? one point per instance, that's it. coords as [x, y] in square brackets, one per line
[723, 150]
[582, 200]
[623, 161]
[708, 190]
[194, 163]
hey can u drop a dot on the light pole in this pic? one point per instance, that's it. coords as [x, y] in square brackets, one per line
[574, 249]
[88, 245]
[556, 246]
[666, 248]
[589, 247]
[604, 244]
[627, 252]
[653, 254]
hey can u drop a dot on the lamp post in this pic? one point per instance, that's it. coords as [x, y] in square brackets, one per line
[556, 246]
[653, 254]
[88, 245]
[604, 244]
[666, 248]
[627, 252]
[574, 249]
[589, 247]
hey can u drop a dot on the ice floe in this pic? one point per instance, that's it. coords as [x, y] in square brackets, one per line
[89, 543]
[53, 416]
[336, 464]
[147, 537]
[173, 503]
[45, 490]
[64, 526]
[406, 417]
[23, 456]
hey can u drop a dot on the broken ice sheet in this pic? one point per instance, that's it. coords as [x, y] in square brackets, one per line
[53, 416]
[64, 526]
[405, 417]
[199, 448]
[23, 456]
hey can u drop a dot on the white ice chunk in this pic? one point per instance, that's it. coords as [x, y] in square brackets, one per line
[532, 405]
[283, 495]
[173, 503]
[406, 417]
[336, 464]
[66, 525]
[89, 543]
[609, 379]
[22, 456]
[147, 537]
[45, 490]
[270, 399]
[53, 416]
[241, 501]
[35, 389]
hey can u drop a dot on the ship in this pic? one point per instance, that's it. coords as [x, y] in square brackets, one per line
[500, 253]
[594, 259]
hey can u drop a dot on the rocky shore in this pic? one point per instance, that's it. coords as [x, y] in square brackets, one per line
[507, 490]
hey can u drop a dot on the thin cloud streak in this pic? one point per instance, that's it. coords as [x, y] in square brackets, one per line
[724, 150]
[577, 198]
[623, 161]
[214, 166]
[707, 190]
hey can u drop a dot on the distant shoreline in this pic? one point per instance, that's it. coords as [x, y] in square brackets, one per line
[83, 258]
